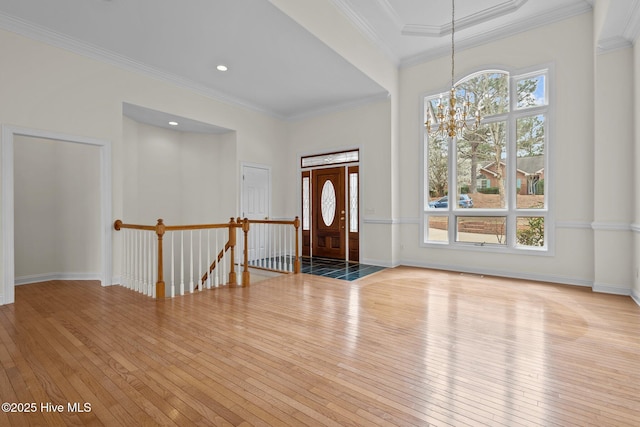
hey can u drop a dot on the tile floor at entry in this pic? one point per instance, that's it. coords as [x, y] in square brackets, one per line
[336, 268]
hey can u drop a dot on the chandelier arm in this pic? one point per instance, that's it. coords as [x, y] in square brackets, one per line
[451, 121]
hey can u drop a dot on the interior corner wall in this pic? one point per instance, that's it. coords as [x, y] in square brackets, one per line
[181, 177]
[613, 168]
[567, 47]
[635, 274]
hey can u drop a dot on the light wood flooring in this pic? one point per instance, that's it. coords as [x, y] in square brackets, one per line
[402, 347]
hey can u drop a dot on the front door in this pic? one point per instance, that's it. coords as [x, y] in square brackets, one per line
[328, 215]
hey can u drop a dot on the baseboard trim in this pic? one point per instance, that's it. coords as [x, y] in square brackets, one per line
[607, 288]
[35, 278]
[377, 263]
[563, 280]
[635, 296]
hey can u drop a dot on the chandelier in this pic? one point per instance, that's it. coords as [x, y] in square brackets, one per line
[452, 115]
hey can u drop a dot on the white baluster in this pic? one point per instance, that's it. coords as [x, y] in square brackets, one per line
[273, 234]
[173, 284]
[217, 269]
[182, 262]
[286, 247]
[267, 245]
[223, 276]
[200, 259]
[191, 262]
[291, 248]
[152, 267]
[124, 259]
[129, 258]
[143, 265]
[258, 245]
[208, 258]
[280, 247]
[264, 244]
[134, 270]
[153, 262]
[254, 245]
[273, 240]
[134, 256]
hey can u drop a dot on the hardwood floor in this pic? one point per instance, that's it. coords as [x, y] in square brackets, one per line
[402, 347]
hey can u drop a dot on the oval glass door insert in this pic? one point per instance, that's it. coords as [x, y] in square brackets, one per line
[328, 203]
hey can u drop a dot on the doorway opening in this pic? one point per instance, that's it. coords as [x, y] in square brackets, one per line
[330, 206]
[9, 134]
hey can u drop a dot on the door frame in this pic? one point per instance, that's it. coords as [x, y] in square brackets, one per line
[8, 134]
[347, 166]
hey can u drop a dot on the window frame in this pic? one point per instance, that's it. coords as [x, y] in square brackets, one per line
[510, 212]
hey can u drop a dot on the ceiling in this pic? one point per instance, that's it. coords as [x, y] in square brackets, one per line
[275, 65]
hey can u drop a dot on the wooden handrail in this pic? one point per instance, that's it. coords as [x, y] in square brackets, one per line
[245, 224]
[273, 221]
[215, 262]
[118, 224]
[160, 228]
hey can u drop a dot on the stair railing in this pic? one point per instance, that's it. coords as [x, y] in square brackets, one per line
[191, 248]
[271, 245]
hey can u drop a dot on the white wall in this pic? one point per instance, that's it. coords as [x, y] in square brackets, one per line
[181, 177]
[613, 170]
[56, 209]
[51, 89]
[369, 129]
[567, 47]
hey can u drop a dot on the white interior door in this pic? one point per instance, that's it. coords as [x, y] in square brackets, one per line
[256, 205]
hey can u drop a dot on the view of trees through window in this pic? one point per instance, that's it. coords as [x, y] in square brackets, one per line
[497, 170]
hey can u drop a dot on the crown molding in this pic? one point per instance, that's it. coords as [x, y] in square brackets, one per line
[505, 31]
[369, 31]
[611, 44]
[464, 22]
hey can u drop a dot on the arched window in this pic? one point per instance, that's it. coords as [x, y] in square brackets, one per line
[487, 187]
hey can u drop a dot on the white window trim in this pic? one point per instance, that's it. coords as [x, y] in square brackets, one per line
[510, 213]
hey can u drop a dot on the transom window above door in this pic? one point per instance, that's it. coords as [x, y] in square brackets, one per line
[352, 156]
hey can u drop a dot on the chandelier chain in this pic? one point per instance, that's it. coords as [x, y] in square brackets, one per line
[453, 31]
[452, 114]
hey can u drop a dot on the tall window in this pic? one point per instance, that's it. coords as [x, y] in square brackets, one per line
[487, 187]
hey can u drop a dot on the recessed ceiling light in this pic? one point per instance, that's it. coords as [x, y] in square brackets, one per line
[173, 123]
[222, 67]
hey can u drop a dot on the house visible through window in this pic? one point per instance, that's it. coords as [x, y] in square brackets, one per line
[487, 187]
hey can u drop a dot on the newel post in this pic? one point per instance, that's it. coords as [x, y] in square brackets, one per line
[160, 228]
[246, 276]
[296, 262]
[232, 244]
